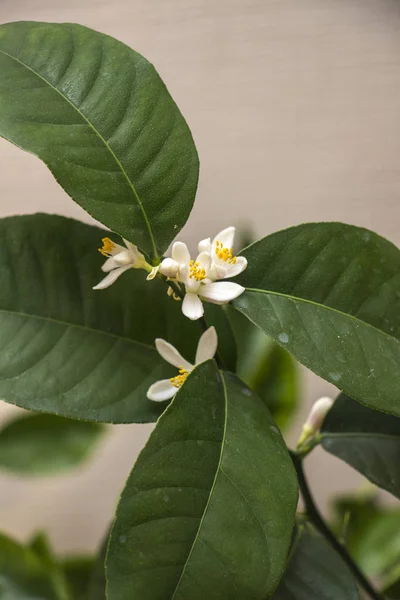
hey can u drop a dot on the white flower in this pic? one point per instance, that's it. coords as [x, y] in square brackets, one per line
[167, 388]
[119, 260]
[315, 418]
[224, 264]
[215, 261]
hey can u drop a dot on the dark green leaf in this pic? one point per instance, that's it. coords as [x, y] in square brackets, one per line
[366, 439]
[40, 444]
[23, 575]
[68, 349]
[99, 116]
[269, 370]
[330, 294]
[209, 507]
[316, 572]
[217, 315]
[78, 572]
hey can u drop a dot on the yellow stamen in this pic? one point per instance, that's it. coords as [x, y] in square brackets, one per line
[179, 379]
[225, 254]
[196, 272]
[107, 248]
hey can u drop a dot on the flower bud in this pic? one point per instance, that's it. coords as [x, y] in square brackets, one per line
[315, 419]
[169, 268]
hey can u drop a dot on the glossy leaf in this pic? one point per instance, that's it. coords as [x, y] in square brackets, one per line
[209, 507]
[23, 575]
[269, 370]
[366, 439]
[68, 349]
[43, 444]
[330, 294]
[99, 116]
[217, 316]
[316, 572]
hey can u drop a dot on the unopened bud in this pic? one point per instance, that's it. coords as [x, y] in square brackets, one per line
[315, 419]
[169, 268]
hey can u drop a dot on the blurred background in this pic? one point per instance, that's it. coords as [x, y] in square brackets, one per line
[294, 109]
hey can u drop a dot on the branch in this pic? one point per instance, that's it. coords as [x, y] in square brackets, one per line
[320, 524]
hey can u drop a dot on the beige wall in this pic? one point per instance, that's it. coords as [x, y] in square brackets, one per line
[294, 105]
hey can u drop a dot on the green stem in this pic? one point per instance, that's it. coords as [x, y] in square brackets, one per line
[321, 526]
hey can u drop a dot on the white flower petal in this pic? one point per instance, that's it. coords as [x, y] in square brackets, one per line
[221, 292]
[192, 306]
[204, 260]
[207, 345]
[231, 270]
[180, 253]
[111, 277]
[161, 390]
[169, 267]
[226, 237]
[170, 354]
[204, 245]
[132, 249]
[109, 265]
[117, 249]
[124, 258]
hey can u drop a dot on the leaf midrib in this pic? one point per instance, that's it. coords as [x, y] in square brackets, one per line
[318, 305]
[217, 472]
[103, 140]
[77, 326]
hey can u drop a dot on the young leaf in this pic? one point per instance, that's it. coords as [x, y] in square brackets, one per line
[330, 294]
[366, 439]
[269, 370]
[44, 444]
[40, 545]
[23, 575]
[209, 507]
[99, 116]
[68, 349]
[316, 572]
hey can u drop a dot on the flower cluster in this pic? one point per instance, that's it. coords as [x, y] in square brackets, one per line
[200, 277]
[215, 261]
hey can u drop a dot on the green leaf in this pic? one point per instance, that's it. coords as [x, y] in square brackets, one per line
[99, 116]
[217, 316]
[44, 444]
[23, 575]
[316, 572]
[68, 349]
[40, 545]
[269, 370]
[209, 507]
[78, 572]
[366, 439]
[330, 294]
[351, 513]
